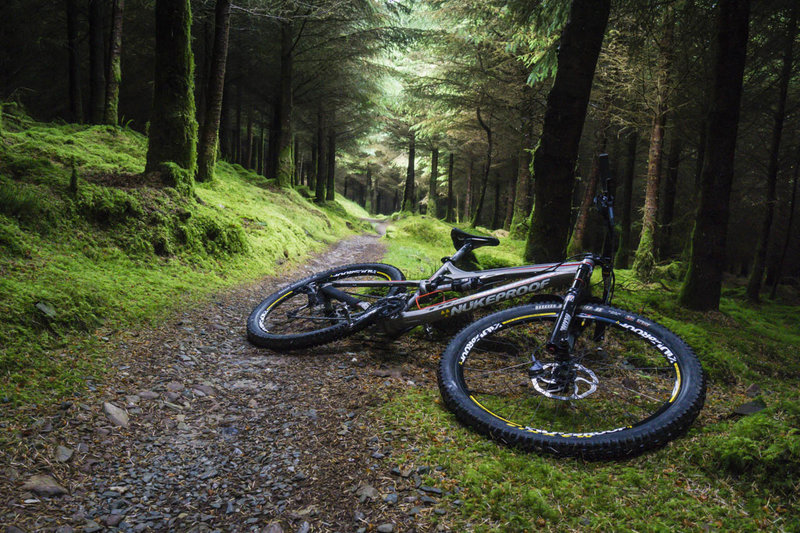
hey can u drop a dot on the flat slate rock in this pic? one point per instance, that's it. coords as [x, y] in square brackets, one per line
[750, 408]
[44, 485]
[115, 415]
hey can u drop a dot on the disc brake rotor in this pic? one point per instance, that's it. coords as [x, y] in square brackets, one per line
[580, 386]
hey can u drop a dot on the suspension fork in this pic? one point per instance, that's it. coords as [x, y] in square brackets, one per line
[561, 340]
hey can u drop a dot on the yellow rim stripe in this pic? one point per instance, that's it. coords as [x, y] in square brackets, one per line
[479, 404]
[276, 302]
[677, 384]
[527, 316]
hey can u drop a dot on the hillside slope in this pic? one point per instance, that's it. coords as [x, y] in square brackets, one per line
[87, 242]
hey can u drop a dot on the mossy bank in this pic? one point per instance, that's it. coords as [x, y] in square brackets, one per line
[90, 244]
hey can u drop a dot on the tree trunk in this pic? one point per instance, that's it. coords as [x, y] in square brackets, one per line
[759, 260]
[789, 234]
[173, 129]
[331, 189]
[432, 184]
[114, 67]
[510, 200]
[623, 249]
[225, 142]
[369, 204]
[703, 283]
[448, 217]
[209, 130]
[468, 191]
[667, 210]
[554, 159]
[498, 189]
[522, 195]
[645, 258]
[237, 135]
[486, 169]
[312, 172]
[97, 75]
[322, 158]
[576, 242]
[248, 161]
[75, 99]
[409, 198]
[285, 163]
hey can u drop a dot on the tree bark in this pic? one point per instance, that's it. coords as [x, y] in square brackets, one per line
[623, 249]
[448, 217]
[285, 154]
[702, 286]
[555, 157]
[645, 258]
[114, 66]
[97, 75]
[75, 99]
[486, 169]
[409, 198]
[498, 189]
[173, 129]
[757, 273]
[432, 183]
[209, 130]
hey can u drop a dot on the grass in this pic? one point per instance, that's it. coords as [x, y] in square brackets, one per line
[727, 473]
[119, 251]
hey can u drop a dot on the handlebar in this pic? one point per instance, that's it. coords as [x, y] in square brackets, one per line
[604, 202]
[607, 183]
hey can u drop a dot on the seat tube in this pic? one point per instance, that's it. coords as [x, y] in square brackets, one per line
[559, 342]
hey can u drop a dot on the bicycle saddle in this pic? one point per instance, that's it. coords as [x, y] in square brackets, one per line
[460, 238]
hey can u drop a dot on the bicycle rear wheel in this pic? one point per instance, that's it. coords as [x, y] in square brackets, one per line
[303, 314]
[630, 384]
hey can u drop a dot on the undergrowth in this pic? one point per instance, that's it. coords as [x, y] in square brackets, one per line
[731, 472]
[115, 248]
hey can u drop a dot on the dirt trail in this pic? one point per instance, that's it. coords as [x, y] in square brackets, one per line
[225, 436]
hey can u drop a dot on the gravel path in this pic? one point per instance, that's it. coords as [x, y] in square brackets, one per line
[197, 430]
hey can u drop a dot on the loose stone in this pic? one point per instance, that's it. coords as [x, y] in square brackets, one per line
[44, 485]
[115, 415]
[63, 454]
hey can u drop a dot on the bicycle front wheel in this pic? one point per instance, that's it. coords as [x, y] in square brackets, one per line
[629, 384]
[304, 314]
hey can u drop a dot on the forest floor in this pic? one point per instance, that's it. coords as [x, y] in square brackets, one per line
[223, 435]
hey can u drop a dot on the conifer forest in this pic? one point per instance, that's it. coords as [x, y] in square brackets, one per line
[165, 164]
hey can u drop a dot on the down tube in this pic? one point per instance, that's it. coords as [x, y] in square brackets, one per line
[482, 299]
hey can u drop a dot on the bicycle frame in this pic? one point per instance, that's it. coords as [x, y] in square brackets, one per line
[532, 279]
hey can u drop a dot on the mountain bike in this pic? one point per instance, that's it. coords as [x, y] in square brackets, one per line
[562, 374]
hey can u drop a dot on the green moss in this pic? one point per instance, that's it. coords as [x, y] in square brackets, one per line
[764, 447]
[107, 205]
[644, 259]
